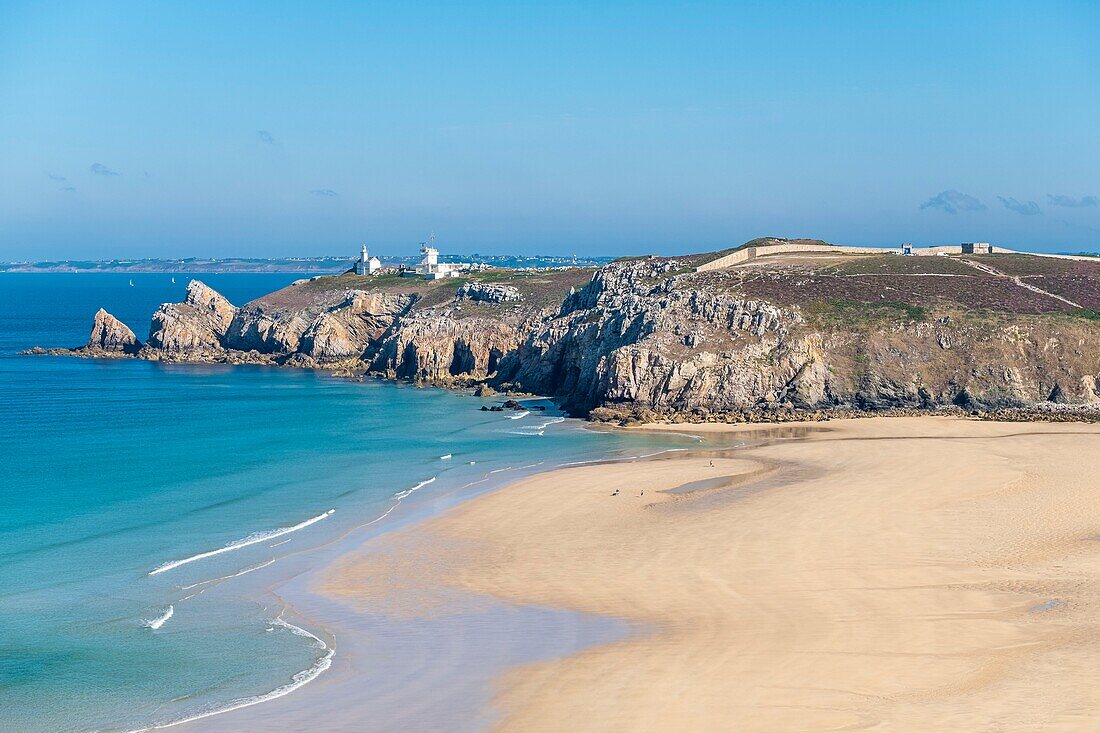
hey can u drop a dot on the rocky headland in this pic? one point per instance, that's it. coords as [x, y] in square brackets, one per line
[800, 335]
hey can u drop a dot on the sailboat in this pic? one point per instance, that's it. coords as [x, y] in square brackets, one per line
[173, 281]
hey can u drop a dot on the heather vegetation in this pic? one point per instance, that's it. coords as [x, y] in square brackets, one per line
[849, 289]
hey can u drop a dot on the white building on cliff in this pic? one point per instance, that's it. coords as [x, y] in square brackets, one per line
[367, 265]
[430, 268]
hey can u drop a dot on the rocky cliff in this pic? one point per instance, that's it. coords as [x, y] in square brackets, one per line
[655, 336]
[324, 325]
[111, 335]
[648, 336]
[195, 326]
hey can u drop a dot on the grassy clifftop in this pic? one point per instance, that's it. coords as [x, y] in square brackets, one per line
[539, 289]
[869, 287]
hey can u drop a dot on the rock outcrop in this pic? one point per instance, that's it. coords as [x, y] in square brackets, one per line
[631, 336]
[111, 335]
[349, 330]
[330, 327]
[445, 349]
[196, 325]
[489, 293]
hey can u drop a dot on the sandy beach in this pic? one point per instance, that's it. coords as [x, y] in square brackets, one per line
[904, 574]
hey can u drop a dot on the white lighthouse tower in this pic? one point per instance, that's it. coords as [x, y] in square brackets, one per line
[367, 265]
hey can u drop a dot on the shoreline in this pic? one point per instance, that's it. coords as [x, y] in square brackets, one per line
[965, 628]
[293, 591]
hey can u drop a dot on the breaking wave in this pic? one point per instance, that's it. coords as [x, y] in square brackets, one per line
[252, 539]
[156, 623]
[402, 494]
[397, 500]
[298, 680]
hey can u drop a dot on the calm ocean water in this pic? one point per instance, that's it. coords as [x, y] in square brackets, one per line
[134, 492]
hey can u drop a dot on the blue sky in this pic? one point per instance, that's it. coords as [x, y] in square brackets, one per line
[239, 128]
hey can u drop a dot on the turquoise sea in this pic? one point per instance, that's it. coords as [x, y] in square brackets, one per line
[136, 494]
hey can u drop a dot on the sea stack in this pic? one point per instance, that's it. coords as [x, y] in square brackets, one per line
[110, 334]
[198, 323]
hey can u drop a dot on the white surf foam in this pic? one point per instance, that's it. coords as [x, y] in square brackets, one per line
[551, 421]
[156, 623]
[445, 458]
[519, 415]
[402, 494]
[397, 500]
[283, 542]
[252, 539]
[537, 430]
[299, 631]
[298, 680]
[246, 571]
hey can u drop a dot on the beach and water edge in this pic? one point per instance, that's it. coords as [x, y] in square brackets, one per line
[153, 506]
[908, 573]
[393, 671]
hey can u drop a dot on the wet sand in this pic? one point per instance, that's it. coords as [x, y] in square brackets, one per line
[903, 574]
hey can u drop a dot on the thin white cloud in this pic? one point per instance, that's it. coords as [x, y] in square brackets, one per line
[101, 170]
[1072, 202]
[952, 202]
[1024, 208]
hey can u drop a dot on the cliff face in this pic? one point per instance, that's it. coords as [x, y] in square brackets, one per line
[634, 336]
[634, 339]
[446, 348]
[335, 326]
[656, 335]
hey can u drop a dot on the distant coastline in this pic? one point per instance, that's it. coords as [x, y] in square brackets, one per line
[328, 265]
